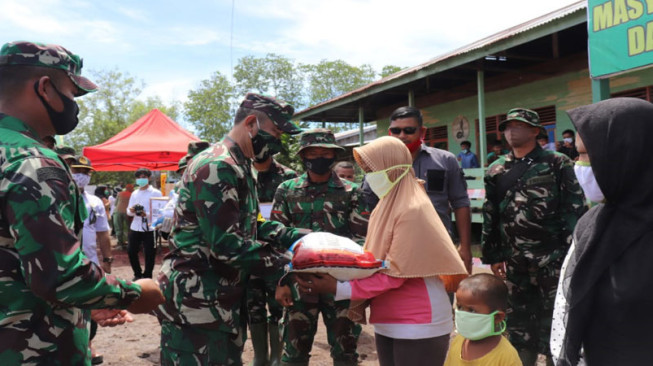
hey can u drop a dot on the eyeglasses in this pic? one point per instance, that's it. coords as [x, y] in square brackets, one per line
[407, 130]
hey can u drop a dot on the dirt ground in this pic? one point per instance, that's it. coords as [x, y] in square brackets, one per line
[137, 343]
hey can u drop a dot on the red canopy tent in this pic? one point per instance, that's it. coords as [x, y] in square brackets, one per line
[154, 141]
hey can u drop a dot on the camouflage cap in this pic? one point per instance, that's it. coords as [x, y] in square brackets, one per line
[279, 112]
[523, 115]
[66, 152]
[47, 55]
[318, 137]
[196, 147]
[82, 161]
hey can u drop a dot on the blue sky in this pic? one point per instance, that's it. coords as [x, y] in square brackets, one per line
[173, 45]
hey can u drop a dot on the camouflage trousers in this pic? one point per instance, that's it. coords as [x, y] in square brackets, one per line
[186, 345]
[300, 326]
[260, 292]
[531, 297]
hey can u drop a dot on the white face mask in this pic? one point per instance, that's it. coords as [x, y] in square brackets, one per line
[585, 176]
[380, 183]
[81, 179]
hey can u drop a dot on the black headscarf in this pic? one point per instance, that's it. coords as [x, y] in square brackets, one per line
[608, 283]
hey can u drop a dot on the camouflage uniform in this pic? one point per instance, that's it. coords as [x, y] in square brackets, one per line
[335, 207]
[47, 284]
[257, 293]
[216, 248]
[531, 230]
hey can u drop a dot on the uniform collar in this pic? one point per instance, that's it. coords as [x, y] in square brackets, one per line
[235, 151]
[510, 157]
[13, 123]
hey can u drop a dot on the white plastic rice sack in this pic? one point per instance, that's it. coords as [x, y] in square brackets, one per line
[338, 256]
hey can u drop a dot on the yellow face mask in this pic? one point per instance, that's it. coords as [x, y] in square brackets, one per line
[379, 181]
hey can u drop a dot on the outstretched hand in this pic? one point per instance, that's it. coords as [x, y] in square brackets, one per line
[111, 317]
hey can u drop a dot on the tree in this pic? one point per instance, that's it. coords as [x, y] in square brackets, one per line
[209, 107]
[273, 74]
[107, 111]
[141, 108]
[329, 79]
[388, 70]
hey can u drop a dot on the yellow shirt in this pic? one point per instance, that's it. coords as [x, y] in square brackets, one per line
[504, 354]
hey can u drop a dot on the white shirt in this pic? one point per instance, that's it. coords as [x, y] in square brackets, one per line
[112, 205]
[94, 223]
[142, 197]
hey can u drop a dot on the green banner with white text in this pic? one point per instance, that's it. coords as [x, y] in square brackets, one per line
[620, 36]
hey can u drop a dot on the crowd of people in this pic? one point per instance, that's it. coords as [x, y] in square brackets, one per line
[566, 283]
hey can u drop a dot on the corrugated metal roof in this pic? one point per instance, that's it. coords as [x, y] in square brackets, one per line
[506, 34]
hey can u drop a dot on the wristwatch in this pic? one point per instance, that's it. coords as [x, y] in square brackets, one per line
[107, 259]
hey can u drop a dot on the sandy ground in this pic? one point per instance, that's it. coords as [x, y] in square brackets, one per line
[137, 343]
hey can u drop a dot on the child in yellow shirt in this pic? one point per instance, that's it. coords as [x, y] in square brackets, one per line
[481, 302]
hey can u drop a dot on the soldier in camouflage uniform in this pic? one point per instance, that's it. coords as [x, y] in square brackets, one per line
[320, 201]
[48, 285]
[219, 242]
[259, 291]
[533, 201]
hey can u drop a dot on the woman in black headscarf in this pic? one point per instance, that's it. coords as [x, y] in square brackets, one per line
[604, 305]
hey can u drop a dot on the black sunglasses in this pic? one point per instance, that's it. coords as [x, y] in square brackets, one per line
[407, 130]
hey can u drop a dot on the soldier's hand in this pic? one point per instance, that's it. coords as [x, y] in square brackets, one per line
[314, 284]
[151, 297]
[283, 295]
[110, 317]
[499, 270]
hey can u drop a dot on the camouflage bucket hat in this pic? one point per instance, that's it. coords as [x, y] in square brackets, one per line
[82, 161]
[66, 152]
[523, 115]
[47, 55]
[279, 112]
[183, 163]
[318, 137]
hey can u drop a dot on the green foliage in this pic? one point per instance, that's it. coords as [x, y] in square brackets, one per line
[388, 70]
[209, 107]
[273, 75]
[106, 112]
[329, 79]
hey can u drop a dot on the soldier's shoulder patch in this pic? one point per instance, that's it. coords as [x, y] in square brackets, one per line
[50, 172]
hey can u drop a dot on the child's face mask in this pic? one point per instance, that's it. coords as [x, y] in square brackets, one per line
[587, 181]
[475, 326]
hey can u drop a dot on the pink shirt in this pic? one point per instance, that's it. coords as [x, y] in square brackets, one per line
[405, 308]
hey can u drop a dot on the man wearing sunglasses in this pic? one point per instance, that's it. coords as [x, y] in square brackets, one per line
[445, 183]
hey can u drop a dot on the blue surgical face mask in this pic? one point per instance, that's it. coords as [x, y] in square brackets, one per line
[142, 182]
[465, 151]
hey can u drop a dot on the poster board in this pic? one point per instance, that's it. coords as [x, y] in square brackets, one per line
[156, 208]
[620, 36]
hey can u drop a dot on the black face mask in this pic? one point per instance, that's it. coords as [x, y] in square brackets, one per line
[64, 121]
[320, 165]
[265, 145]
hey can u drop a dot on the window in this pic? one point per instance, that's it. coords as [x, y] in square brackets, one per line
[641, 93]
[437, 137]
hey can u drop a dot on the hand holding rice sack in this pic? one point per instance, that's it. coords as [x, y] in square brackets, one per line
[334, 255]
[408, 299]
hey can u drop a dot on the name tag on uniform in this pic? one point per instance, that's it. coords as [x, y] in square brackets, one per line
[540, 180]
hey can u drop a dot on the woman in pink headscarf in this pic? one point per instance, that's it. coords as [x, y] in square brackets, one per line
[409, 305]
